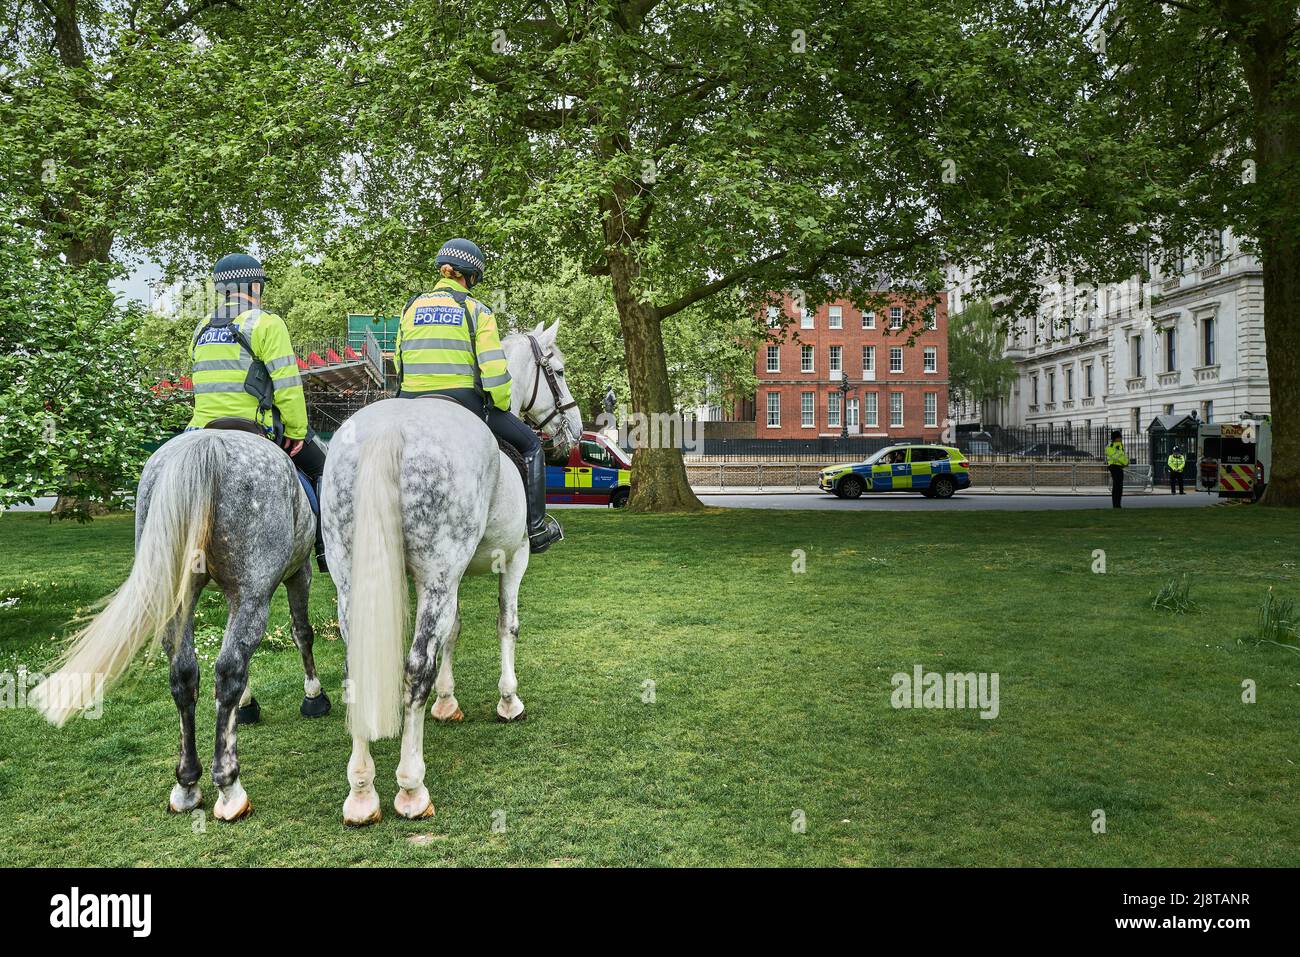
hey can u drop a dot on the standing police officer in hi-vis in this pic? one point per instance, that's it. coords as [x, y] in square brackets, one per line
[448, 345]
[245, 368]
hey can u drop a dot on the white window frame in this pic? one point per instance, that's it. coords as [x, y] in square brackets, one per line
[773, 316]
[931, 400]
[807, 359]
[895, 352]
[806, 319]
[773, 358]
[895, 317]
[835, 317]
[868, 361]
[808, 410]
[869, 319]
[833, 409]
[835, 359]
[774, 410]
[872, 409]
[895, 410]
[930, 356]
[851, 412]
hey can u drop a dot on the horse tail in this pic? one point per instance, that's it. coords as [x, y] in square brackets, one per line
[169, 555]
[377, 604]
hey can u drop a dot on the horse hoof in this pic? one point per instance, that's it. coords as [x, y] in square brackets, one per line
[451, 712]
[316, 707]
[234, 809]
[360, 811]
[514, 711]
[521, 716]
[413, 805]
[250, 713]
[184, 799]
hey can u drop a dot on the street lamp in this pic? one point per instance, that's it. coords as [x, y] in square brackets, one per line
[845, 389]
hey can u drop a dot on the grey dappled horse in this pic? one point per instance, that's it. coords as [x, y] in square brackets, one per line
[419, 486]
[212, 505]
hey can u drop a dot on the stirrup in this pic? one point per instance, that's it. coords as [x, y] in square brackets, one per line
[546, 536]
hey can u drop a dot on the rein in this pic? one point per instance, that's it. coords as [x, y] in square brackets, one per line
[544, 367]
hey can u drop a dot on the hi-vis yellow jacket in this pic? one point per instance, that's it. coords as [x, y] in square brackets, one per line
[434, 349]
[1176, 463]
[1115, 455]
[221, 365]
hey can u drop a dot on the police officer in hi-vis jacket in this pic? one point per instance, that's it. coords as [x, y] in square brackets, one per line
[448, 344]
[1116, 460]
[244, 367]
[1177, 463]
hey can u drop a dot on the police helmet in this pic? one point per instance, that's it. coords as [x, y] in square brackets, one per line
[464, 256]
[237, 272]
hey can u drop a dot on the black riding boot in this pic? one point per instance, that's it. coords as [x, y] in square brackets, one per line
[310, 460]
[543, 530]
[320, 548]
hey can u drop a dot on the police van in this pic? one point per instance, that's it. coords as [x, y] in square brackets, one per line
[596, 472]
[1234, 458]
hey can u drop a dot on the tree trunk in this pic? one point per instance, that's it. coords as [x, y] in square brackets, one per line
[1281, 266]
[659, 481]
[1265, 45]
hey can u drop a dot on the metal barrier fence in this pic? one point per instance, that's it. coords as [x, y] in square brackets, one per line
[1034, 476]
[995, 444]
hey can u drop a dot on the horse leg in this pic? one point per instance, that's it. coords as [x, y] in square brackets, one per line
[510, 707]
[179, 642]
[244, 633]
[445, 707]
[362, 806]
[435, 620]
[315, 703]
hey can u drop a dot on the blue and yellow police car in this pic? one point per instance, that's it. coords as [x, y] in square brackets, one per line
[936, 471]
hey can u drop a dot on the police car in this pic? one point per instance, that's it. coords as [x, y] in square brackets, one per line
[596, 472]
[936, 471]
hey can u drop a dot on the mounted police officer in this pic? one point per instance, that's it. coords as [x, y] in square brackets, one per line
[448, 345]
[245, 369]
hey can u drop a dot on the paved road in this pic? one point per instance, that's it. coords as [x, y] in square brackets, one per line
[890, 502]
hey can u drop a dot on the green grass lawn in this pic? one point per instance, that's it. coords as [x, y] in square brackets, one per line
[772, 694]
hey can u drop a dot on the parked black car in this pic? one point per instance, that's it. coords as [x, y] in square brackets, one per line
[1052, 451]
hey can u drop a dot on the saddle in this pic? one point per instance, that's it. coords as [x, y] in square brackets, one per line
[513, 455]
[236, 424]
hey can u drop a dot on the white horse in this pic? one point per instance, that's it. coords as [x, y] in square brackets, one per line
[420, 486]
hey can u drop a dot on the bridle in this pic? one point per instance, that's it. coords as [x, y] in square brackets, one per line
[543, 362]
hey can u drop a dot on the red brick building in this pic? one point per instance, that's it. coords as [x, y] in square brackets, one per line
[897, 390]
